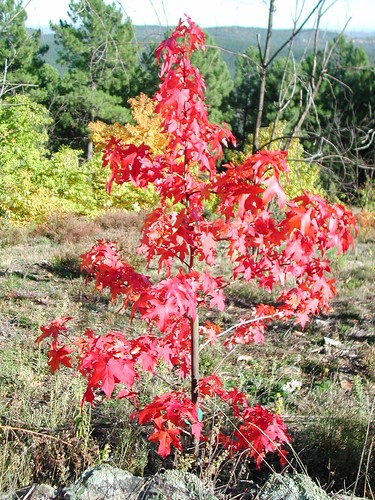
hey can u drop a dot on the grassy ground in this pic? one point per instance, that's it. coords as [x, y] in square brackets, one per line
[322, 378]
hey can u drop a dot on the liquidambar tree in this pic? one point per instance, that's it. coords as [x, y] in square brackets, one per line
[266, 239]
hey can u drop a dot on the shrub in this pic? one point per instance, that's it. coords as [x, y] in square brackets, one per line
[23, 154]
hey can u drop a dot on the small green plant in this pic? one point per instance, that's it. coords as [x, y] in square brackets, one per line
[67, 265]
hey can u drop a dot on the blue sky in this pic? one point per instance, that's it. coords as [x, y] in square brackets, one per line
[209, 13]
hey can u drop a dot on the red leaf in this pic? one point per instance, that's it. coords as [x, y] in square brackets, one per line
[117, 371]
[165, 436]
[54, 328]
[274, 189]
[59, 356]
[210, 331]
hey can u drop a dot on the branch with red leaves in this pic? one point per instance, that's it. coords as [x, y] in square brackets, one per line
[277, 243]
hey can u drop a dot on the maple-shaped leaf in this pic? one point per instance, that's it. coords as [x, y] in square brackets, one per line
[166, 353]
[294, 249]
[218, 300]
[179, 97]
[265, 431]
[208, 386]
[147, 361]
[265, 311]
[235, 398]
[59, 356]
[169, 45]
[208, 247]
[274, 188]
[166, 435]
[88, 396]
[54, 328]
[250, 331]
[129, 163]
[117, 371]
[262, 160]
[196, 430]
[172, 297]
[106, 361]
[213, 287]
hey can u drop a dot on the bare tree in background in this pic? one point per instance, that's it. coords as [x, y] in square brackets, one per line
[266, 61]
[321, 100]
[19, 49]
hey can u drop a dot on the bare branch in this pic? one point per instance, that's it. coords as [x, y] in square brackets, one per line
[2, 91]
[315, 83]
[295, 32]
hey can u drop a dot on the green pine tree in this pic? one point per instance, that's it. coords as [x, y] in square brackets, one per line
[98, 51]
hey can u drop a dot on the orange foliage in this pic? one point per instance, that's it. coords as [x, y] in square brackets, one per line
[366, 221]
[146, 128]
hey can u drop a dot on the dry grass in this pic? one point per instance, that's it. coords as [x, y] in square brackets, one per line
[62, 228]
[328, 415]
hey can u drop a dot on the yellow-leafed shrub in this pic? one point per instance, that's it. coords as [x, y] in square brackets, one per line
[146, 128]
[24, 202]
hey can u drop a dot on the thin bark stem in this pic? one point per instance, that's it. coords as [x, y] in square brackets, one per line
[195, 361]
[195, 371]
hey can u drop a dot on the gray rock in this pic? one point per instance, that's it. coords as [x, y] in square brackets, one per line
[177, 485]
[33, 492]
[292, 487]
[104, 482]
[42, 492]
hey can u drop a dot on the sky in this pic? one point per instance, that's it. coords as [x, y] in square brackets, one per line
[212, 13]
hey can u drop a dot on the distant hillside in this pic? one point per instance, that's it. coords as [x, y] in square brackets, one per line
[234, 39]
[51, 56]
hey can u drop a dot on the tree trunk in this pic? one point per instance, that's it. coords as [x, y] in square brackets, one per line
[90, 149]
[263, 73]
